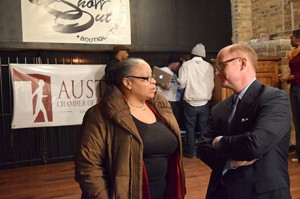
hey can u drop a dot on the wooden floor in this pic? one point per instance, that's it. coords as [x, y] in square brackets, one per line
[57, 181]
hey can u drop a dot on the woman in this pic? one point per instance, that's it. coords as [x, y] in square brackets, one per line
[130, 145]
[294, 79]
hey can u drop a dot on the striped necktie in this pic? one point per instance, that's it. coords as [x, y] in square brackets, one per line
[235, 103]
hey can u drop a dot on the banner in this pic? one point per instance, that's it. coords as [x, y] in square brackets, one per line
[76, 21]
[54, 95]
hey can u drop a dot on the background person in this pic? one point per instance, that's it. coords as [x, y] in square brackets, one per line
[248, 155]
[294, 79]
[197, 77]
[129, 145]
[120, 53]
[172, 91]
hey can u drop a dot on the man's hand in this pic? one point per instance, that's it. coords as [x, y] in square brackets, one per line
[165, 86]
[215, 142]
[236, 163]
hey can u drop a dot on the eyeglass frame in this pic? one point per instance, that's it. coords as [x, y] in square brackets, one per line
[222, 65]
[148, 79]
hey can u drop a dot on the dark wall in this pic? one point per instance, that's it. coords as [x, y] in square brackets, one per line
[156, 25]
[179, 25]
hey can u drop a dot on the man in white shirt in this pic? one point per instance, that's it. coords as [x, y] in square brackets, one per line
[197, 77]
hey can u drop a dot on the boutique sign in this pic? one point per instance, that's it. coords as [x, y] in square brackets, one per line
[76, 21]
[54, 95]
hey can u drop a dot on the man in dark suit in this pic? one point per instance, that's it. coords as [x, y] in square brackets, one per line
[247, 154]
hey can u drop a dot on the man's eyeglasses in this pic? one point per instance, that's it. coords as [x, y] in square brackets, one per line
[223, 64]
[146, 79]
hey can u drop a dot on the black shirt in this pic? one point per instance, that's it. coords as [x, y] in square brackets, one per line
[159, 142]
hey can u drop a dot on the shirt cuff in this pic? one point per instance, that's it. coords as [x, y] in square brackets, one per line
[227, 167]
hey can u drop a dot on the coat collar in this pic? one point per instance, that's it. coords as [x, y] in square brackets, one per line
[113, 104]
[114, 107]
[248, 98]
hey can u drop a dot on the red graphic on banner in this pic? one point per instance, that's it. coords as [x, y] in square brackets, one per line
[41, 95]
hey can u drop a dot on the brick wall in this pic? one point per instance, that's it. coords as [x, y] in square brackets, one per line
[267, 17]
[252, 18]
[241, 20]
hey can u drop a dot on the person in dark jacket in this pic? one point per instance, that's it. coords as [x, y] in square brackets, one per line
[120, 53]
[130, 145]
[247, 141]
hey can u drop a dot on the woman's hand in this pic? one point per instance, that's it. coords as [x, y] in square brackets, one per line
[284, 78]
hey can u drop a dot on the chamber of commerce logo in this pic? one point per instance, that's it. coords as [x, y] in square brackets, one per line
[35, 91]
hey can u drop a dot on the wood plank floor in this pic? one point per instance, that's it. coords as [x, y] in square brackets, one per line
[57, 181]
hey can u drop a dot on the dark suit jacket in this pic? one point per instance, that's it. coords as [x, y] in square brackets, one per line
[259, 129]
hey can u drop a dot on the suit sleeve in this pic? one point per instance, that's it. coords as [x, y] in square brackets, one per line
[205, 151]
[269, 126]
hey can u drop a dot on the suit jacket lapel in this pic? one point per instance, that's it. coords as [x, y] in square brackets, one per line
[248, 98]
